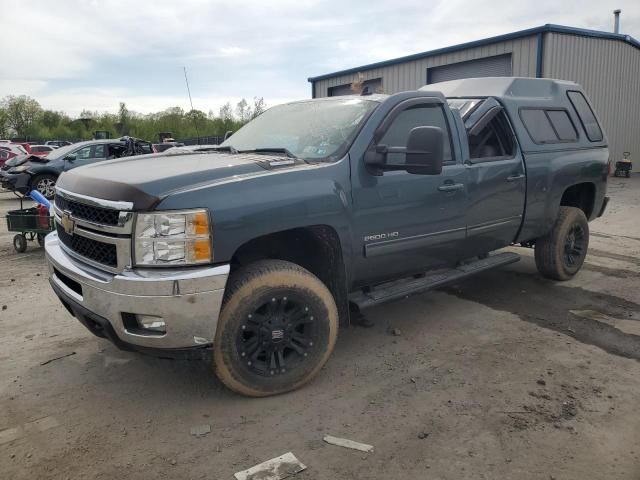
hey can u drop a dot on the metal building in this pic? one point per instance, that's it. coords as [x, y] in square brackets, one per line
[606, 64]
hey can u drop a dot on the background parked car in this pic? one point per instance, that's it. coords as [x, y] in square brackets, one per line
[58, 143]
[6, 155]
[41, 173]
[161, 147]
[24, 145]
[41, 150]
[14, 148]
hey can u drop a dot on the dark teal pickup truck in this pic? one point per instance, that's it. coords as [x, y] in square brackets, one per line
[259, 249]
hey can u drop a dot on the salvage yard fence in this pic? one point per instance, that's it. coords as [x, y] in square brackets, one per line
[210, 140]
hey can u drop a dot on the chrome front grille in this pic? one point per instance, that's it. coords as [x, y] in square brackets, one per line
[105, 216]
[103, 253]
[95, 231]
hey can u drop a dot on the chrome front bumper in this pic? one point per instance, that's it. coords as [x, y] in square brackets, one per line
[187, 300]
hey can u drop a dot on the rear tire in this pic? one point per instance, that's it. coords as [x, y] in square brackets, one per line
[276, 330]
[561, 252]
[45, 184]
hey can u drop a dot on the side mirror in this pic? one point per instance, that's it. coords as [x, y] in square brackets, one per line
[71, 157]
[227, 135]
[425, 151]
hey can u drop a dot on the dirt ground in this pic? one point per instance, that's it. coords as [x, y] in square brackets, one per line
[505, 375]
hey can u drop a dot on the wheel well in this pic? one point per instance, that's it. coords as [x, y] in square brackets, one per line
[316, 248]
[582, 196]
[46, 172]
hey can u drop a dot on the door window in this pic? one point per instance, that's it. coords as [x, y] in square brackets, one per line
[83, 153]
[100, 151]
[418, 116]
[495, 141]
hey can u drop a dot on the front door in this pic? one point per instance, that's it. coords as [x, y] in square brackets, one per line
[406, 223]
[87, 155]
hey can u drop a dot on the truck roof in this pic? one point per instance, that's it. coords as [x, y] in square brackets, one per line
[504, 87]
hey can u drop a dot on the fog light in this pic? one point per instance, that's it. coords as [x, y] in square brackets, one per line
[152, 324]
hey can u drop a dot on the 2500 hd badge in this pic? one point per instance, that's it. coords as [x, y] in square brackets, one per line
[381, 236]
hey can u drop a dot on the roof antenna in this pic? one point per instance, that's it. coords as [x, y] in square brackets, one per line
[616, 20]
[195, 124]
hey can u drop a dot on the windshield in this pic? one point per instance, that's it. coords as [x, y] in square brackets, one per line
[313, 130]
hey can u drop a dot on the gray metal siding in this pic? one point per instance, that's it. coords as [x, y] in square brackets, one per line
[495, 66]
[609, 72]
[413, 74]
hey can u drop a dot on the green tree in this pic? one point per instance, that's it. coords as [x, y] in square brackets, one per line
[243, 111]
[259, 106]
[21, 113]
[123, 123]
[51, 119]
[4, 124]
[226, 112]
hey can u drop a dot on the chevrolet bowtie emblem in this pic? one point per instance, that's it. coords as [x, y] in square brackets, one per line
[67, 223]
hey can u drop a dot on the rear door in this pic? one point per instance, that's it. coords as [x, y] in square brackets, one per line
[496, 179]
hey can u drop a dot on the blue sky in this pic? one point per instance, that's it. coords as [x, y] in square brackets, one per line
[72, 55]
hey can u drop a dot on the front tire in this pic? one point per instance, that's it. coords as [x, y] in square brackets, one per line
[561, 252]
[45, 184]
[276, 330]
[20, 243]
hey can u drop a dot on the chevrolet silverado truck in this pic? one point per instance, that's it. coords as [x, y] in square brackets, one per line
[255, 252]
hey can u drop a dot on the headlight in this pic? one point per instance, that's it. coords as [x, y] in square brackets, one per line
[21, 168]
[173, 238]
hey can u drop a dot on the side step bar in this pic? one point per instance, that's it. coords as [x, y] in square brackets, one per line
[408, 286]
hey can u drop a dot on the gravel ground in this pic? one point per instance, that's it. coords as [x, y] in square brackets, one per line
[505, 375]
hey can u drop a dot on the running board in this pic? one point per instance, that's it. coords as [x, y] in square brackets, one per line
[409, 286]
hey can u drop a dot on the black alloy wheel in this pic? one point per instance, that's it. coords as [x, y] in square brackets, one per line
[277, 336]
[574, 246]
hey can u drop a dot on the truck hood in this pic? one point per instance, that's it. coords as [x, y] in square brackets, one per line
[145, 180]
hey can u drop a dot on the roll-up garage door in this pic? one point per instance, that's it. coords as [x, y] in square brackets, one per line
[497, 66]
[374, 85]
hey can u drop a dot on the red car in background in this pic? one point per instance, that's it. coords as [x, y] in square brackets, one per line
[41, 150]
[24, 145]
[9, 151]
[6, 155]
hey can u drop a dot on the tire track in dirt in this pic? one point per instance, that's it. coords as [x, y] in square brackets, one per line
[549, 304]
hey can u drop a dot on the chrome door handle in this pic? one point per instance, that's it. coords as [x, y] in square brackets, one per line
[513, 178]
[451, 187]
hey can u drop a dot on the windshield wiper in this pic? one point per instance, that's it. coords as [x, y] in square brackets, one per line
[285, 151]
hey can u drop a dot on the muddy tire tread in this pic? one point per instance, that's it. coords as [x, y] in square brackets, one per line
[549, 248]
[240, 285]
